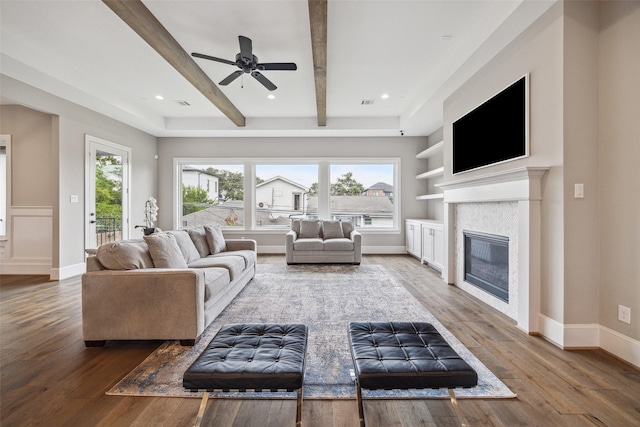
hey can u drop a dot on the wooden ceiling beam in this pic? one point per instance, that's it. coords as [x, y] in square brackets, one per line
[135, 14]
[318, 24]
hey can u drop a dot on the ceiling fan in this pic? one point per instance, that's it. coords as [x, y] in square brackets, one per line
[248, 63]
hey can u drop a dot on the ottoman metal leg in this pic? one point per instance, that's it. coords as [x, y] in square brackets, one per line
[299, 408]
[360, 407]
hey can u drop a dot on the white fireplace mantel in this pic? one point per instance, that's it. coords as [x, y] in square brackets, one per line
[504, 186]
[522, 185]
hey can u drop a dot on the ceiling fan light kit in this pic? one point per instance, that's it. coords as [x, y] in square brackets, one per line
[248, 63]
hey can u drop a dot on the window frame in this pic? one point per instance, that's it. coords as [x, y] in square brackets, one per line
[324, 184]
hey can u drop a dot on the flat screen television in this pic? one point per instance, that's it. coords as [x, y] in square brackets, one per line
[494, 132]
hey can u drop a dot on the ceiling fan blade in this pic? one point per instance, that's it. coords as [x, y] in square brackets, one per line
[262, 79]
[212, 58]
[246, 49]
[282, 66]
[231, 77]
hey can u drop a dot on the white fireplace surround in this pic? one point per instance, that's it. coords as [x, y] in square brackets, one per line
[521, 185]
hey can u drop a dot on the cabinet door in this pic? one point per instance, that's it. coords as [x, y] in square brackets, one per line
[438, 248]
[427, 244]
[413, 238]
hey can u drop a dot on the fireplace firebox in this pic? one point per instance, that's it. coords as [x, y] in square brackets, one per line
[486, 262]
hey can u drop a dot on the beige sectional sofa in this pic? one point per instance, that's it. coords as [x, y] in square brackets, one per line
[317, 241]
[169, 285]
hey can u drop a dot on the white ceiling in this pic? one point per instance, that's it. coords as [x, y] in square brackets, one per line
[416, 51]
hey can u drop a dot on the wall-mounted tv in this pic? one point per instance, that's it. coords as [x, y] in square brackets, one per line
[494, 132]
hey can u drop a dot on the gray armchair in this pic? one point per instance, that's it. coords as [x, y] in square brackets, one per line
[323, 242]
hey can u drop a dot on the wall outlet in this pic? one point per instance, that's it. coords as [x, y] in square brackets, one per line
[624, 314]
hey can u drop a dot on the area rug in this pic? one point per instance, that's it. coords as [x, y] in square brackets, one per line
[326, 298]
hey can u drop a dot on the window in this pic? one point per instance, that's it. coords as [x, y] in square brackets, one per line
[357, 194]
[221, 203]
[282, 192]
[262, 194]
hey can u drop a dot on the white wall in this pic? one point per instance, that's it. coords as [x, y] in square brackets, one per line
[268, 148]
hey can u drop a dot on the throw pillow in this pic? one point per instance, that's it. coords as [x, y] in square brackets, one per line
[188, 249]
[295, 226]
[165, 251]
[199, 239]
[309, 229]
[347, 228]
[332, 230]
[124, 255]
[215, 239]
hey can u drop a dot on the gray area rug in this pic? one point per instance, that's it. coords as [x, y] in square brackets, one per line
[326, 298]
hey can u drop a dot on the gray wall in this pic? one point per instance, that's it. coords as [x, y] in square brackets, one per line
[281, 148]
[539, 52]
[50, 159]
[584, 123]
[619, 158]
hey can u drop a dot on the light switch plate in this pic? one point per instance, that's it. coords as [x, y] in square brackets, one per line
[578, 191]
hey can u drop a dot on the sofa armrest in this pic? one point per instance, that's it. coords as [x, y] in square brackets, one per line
[290, 237]
[241, 244]
[356, 237]
[159, 303]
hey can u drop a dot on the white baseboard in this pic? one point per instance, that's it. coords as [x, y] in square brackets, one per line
[590, 335]
[622, 346]
[68, 271]
[582, 336]
[551, 330]
[25, 268]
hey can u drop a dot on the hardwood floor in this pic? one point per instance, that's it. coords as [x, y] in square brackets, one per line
[49, 378]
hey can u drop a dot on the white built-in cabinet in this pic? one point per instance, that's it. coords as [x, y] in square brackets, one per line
[425, 241]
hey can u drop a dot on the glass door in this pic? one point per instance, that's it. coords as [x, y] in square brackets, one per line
[107, 192]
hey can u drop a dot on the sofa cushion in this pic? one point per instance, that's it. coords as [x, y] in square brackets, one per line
[347, 228]
[215, 281]
[309, 229]
[199, 239]
[125, 255]
[165, 251]
[332, 230]
[338, 245]
[308, 244]
[233, 263]
[188, 249]
[250, 257]
[215, 239]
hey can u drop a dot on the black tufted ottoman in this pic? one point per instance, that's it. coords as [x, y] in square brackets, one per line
[251, 357]
[406, 355]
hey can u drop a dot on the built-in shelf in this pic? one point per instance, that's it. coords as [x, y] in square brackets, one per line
[432, 173]
[434, 150]
[431, 151]
[430, 196]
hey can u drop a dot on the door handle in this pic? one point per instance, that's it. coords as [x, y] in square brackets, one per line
[92, 222]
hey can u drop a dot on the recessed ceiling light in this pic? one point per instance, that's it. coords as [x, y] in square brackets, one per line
[271, 96]
[385, 96]
[159, 97]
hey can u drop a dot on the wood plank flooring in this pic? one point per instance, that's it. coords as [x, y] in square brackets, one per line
[49, 378]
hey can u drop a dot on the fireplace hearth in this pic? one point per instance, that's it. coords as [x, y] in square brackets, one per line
[486, 263]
